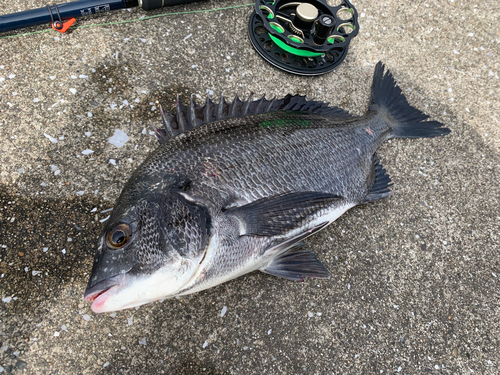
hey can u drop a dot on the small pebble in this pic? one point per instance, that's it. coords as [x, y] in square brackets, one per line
[21, 365]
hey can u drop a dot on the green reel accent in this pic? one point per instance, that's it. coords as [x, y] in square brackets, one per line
[296, 39]
[276, 26]
[270, 14]
[292, 50]
[332, 40]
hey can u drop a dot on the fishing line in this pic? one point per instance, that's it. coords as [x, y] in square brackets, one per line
[134, 20]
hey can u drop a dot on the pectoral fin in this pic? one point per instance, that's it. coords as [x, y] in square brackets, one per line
[276, 215]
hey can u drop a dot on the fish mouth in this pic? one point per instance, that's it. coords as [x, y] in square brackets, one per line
[101, 287]
[98, 293]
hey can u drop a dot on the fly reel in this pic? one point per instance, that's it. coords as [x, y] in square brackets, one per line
[305, 38]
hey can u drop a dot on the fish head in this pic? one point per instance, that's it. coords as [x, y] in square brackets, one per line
[148, 250]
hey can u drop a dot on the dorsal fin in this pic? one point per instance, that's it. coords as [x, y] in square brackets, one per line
[208, 111]
[188, 118]
[182, 117]
[196, 113]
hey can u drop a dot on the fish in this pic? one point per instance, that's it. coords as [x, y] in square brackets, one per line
[236, 187]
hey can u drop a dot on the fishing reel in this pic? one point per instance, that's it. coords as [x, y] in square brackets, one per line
[305, 38]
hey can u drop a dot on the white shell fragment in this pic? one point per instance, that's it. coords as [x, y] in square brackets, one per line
[119, 138]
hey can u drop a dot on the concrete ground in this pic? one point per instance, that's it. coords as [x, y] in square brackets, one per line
[415, 278]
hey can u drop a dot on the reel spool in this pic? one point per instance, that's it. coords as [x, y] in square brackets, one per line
[305, 38]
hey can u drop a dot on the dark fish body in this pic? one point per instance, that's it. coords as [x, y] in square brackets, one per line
[235, 187]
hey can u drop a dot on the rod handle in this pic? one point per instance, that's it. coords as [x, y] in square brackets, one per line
[155, 4]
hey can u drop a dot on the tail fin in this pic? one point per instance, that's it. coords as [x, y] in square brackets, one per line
[406, 121]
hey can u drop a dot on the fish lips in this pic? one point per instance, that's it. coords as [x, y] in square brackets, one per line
[94, 291]
[98, 293]
[108, 273]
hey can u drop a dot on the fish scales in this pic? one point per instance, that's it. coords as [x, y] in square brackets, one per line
[253, 161]
[231, 190]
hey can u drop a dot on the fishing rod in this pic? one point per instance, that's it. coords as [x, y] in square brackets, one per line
[56, 15]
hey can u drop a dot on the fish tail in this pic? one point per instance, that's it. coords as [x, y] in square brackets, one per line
[406, 121]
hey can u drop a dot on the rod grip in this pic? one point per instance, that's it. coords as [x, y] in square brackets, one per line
[155, 4]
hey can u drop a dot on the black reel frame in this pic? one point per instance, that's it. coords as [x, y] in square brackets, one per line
[273, 31]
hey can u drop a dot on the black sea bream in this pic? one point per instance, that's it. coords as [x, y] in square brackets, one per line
[234, 188]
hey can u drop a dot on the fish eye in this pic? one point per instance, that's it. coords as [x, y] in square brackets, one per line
[118, 236]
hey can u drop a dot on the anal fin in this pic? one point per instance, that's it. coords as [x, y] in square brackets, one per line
[381, 183]
[297, 264]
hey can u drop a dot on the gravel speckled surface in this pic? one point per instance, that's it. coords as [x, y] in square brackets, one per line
[415, 278]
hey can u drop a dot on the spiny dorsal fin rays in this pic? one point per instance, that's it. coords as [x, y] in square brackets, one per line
[265, 104]
[182, 116]
[274, 105]
[313, 105]
[167, 132]
[160, 134]
[209, 111]
[222, 108]
[167, 118]
[296, 102]
[196, 115]
[235, 107]
[247, 104]
[260, 106]
[192, 112]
